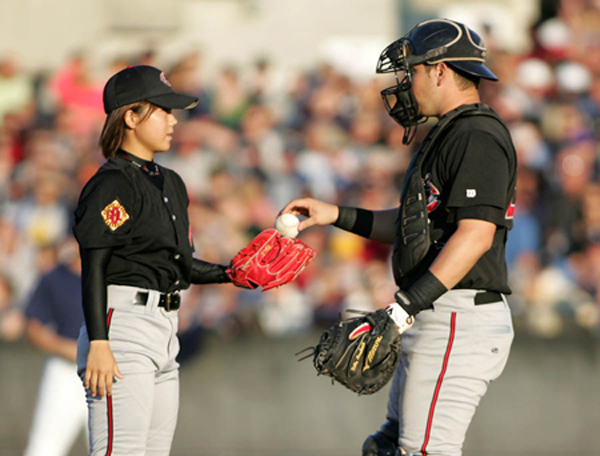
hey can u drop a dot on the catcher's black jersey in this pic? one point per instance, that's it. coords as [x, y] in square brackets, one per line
[147, 226]
[470, 174]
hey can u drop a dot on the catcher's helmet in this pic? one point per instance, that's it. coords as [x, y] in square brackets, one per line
[434, 41]
[431, 42]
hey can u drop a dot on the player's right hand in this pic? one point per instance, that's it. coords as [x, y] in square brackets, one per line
[317, 212]
[101, 369]
[401, 317]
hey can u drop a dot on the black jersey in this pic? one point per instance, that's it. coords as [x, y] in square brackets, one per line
[147, 227]
[471, 174]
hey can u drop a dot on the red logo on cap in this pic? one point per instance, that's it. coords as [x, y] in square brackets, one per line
[163, 78]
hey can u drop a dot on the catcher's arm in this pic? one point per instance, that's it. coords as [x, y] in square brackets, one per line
[464, 248]
[462, 251]
[378, 226]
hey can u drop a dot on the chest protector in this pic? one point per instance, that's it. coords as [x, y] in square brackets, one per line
[413, 233]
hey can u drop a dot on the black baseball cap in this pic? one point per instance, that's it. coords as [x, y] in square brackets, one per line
[143, 82]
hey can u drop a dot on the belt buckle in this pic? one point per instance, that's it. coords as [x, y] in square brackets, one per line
[172, 299]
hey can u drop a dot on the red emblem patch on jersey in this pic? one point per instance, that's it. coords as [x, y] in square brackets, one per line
[510, 212]
[114, 215]
[164, 80]
[365, 327]
[432, 194]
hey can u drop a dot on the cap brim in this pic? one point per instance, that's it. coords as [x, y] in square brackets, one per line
[174, 101]
[474, 69]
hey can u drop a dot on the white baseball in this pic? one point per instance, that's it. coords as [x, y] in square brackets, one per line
[287, 225]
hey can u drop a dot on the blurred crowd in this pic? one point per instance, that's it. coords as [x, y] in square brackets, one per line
[255, 142]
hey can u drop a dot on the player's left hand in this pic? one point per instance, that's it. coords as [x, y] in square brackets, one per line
[269, 261]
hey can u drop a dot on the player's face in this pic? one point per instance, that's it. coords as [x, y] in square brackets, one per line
[424, 89]
[156, 132]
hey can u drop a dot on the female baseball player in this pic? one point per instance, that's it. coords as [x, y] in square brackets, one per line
[449, 236]
[136, 249]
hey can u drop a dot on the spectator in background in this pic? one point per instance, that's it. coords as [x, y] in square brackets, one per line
[16, 90]
[54, 317]
[524, 242]
[7, 164]
[229, 100]
[186, 77]
[315, 164]
[12, 323]
[263, 146]
[43, 217]
[192, 160]
[77, 95]
[20, 261]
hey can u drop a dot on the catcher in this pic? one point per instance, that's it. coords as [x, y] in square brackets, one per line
[449, 235]
[136, 248]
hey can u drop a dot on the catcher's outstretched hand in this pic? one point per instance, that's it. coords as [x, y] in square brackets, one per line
[269, 260]
[316, 212]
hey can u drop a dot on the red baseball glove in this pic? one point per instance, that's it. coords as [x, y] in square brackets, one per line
[269, 261]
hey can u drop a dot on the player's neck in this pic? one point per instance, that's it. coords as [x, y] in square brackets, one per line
[137, 149]
[457, 99]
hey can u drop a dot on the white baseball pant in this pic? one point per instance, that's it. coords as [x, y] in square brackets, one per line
[60, 412]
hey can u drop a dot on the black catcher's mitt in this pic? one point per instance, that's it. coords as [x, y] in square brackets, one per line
[361, 353]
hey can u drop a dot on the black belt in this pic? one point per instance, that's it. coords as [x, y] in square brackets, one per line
[487, 297]
[170, 301]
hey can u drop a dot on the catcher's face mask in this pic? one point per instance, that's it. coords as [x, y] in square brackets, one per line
[399, 99]
[429, 42]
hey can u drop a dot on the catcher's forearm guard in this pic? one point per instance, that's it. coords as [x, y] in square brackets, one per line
[360, 353]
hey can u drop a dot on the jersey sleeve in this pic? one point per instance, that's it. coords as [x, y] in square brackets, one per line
[480, 178]
[106, 211]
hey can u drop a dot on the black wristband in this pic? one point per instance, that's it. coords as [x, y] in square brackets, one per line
[355, 220]
[422, 294]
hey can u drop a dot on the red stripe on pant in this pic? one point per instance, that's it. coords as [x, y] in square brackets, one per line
[109, 407]
[439, 383]
[109, 411]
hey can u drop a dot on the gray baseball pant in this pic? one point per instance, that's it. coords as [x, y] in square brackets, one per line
[139, 418]
[449, 357]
